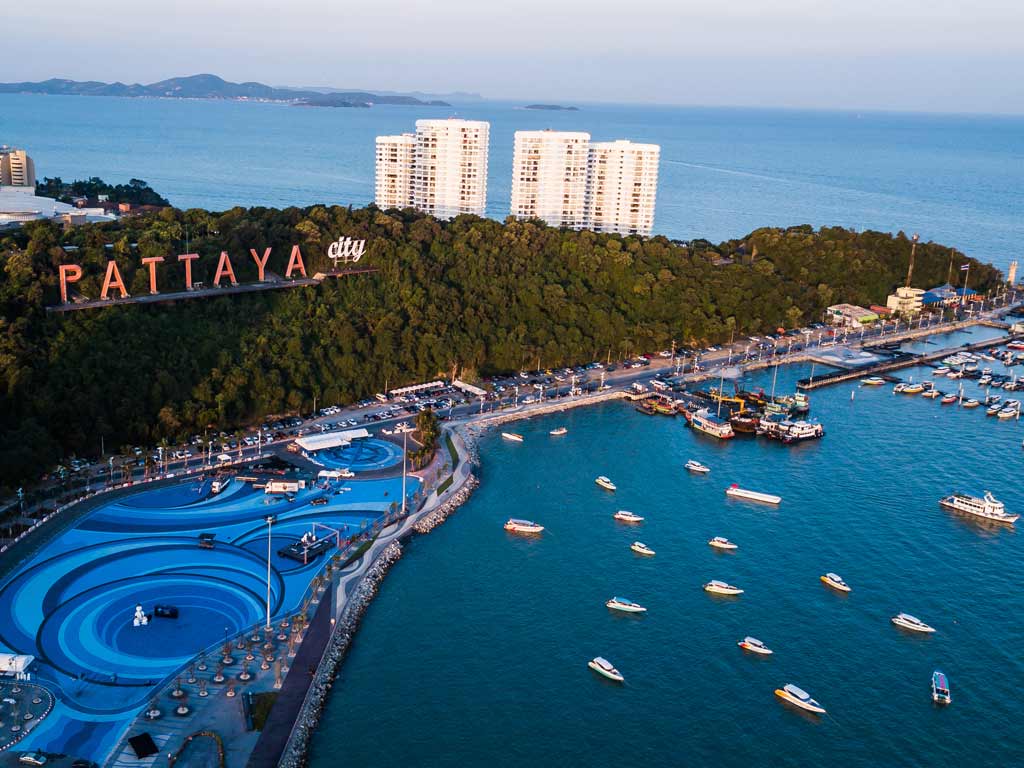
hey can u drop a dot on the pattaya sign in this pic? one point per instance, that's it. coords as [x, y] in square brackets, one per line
[345, 250]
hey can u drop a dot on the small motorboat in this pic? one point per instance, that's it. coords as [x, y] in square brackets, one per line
[604, 667]
[515, 525]
[641, 549]
[720, 542]
[605, 483]
[942, 370]
[948, 399]
[835, 581]
[754, 645]
[993, 410]
[799, 698]
[912, 389]
[625, 605]
[1008, 412]
[558, 431]
[972, 403]
[873, 381]
[911, 623]
[741, 493]
[940, 689]
[625, 516]
[513, 436]
[931, 394]
[716, 587]
[696, 466]
[900, 388]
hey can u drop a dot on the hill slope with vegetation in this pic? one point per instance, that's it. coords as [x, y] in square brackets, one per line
[474, 294]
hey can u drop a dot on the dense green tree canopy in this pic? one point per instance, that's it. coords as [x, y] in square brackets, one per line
[473, 294]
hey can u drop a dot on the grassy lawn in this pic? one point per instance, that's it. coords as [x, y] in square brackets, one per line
[445, 485]
[261, 705]
[452, 452]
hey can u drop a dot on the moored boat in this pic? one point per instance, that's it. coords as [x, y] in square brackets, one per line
[605, 483]
[625, 516]
[745, 422]
[604, 667]
[835, 581]
[972, 403]
[986, 507]
[873, 381]
[940, 689]
[911, 623]
[742, 493]
[641, 549]
[717, 587]
[720, 542]
[625, 605]
[942, 370]
[931, 394]
[708, 423]
[515, 525]
[513, 436]
[754, 645]
[800, 698]
[696, 466]
[948, 399]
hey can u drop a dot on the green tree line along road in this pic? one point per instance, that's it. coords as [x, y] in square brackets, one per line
[474, 294]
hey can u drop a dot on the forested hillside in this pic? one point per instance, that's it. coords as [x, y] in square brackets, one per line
[474, 294]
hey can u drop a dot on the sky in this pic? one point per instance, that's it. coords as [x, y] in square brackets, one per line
[905, 55]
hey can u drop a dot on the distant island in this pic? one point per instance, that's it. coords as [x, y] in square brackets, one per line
[552, 107]
[214, 87]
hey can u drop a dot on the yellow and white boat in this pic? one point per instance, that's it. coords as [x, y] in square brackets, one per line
[835, 581]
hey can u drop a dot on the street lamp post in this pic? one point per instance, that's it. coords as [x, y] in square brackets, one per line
[405, 462]
[270, 524]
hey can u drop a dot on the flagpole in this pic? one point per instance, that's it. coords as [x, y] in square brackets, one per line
[967, 274]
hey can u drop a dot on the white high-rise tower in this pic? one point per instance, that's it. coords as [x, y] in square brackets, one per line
[549, 177]
[450, 167]
[622, 182]
[394, 171]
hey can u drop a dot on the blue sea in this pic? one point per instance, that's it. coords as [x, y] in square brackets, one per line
[475, 650]
[958, 180]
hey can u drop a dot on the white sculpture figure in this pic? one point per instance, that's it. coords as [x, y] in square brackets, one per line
[141, 619]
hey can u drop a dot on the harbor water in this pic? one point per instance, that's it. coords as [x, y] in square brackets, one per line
[475, 651]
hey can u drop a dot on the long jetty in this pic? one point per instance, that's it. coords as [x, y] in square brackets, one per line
[897, 362]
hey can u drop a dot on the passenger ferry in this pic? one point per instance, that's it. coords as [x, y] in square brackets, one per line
[523, 526]
[754, 645]
[605, 483]
[835, 581]
[625, 516]
[625, 605]
[720, 542]
[706, 422]
[513, 436]
[800, 698]
[604, 667]
[717, 587]
[696, 466]
[641, 549]
[940, 689]
[742, 493]
[558, 431]
[912, 623]
[987, 507]
[789, 432]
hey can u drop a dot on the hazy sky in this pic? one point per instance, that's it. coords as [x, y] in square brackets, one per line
[933, 55]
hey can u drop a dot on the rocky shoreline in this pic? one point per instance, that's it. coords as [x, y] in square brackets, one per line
[435, 517]
[296, 752]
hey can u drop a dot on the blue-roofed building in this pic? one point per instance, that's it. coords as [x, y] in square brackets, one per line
[944, 295]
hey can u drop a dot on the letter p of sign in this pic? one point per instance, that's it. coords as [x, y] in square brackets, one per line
[69, 273]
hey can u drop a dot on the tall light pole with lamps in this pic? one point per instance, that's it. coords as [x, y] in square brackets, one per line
[405, 430]
[270, 520]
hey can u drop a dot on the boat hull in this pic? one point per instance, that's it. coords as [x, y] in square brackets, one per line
[814, 708]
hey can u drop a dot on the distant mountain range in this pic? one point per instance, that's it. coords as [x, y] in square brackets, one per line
[213, 87]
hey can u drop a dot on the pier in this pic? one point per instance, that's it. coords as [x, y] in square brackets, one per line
[895, 363]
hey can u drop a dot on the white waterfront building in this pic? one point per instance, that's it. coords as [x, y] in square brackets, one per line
[622, 183]
[549, 177]
[394, 171]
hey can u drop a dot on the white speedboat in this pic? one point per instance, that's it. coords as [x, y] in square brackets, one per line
[625, 516]
[625, 605]
[799, 698]
[604, 667]
[696, 466]
[972, 403]
[942, 370]
[940, 689]
[835, 581]
[513, 436]
[558, 431]
[912, 623]
[605, 483]
[641, 549]
[716, 587]
[754, 645]
[1008, 412]
[742, 493]
[523, 526]
[987, 507]
[720, 542]
[873, 381]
